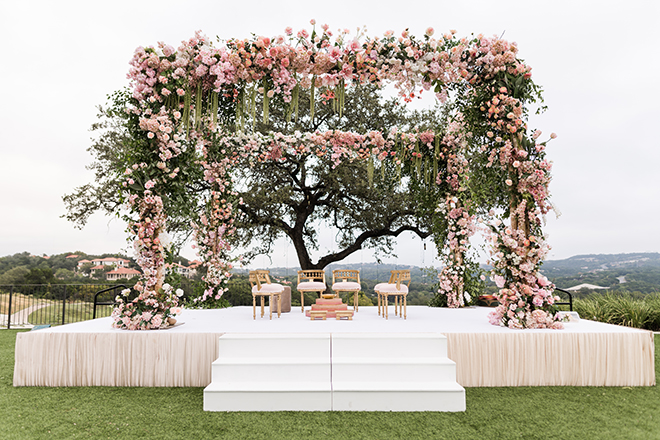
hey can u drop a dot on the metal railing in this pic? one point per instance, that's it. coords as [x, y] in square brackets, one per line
[27, 305]
[569, 303]
[110, 302]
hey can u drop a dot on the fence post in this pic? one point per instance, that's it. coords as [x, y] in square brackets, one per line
[63, 304]
[11, 290]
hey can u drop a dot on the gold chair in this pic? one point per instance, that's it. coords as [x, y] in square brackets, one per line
[394, 287]
[261, 286]
[315, 282]
[347, 281]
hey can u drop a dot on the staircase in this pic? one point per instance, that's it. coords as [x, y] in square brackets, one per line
[339, 371]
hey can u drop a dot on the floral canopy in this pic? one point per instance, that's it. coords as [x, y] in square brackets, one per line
[183, 97]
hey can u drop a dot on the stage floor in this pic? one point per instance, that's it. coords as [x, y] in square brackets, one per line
[93, 353]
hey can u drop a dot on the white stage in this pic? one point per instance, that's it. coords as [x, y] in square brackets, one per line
[92, 353]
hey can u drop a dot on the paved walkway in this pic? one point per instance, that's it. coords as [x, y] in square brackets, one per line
[20, 318]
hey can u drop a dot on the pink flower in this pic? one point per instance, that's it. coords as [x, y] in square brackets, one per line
[553, 136]
[312, 22]
[168, 50]
[429, 31]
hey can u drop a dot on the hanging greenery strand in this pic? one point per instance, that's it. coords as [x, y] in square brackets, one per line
[312, 93]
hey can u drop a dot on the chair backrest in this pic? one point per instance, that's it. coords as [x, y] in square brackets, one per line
[311, 275]
[399, 276]
[344, 275]
[257, 277]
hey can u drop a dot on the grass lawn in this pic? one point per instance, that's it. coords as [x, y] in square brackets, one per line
[176, 413]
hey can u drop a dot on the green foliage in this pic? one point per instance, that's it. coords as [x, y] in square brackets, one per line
[363, 299]
[15, 275]
[621, 309]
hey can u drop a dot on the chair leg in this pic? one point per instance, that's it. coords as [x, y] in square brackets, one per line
[355, 301]
[378, 295]
[271, 298]
[254, 307]
[405, 304]
[396, 304]
[279, 305]
[262, 306]
[302, 302]
[387, 309]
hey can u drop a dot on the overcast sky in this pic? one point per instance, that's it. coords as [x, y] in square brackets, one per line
[598, 62]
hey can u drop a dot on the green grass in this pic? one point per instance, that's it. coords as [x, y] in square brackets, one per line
[176, 413]
[75, 312]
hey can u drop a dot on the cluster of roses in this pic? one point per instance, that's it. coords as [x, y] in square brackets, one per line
[150, 312]
[155, 303]
[461, 227]
[526, 297]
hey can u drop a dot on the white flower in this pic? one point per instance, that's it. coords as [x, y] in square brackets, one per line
[179, 292]
[165, 240]
[125, 292]
[167, 287]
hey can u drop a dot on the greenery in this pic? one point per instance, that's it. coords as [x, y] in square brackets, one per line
[176, 413]
[621, 309]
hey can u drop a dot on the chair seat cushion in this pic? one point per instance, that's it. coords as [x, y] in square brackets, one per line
[346, 285]
[314, 286]
[268, 288]
[391, 288]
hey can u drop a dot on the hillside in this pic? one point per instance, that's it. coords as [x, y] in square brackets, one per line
[635, 272]
[638, 272]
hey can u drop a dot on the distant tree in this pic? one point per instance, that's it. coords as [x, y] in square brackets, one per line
[64, 274]
[14, 275]
[86, 269]
[40, 275]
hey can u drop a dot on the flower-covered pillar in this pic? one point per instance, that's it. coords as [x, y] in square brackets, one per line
[518, 249]
[501, 92]
[460, 222]
[212, 229]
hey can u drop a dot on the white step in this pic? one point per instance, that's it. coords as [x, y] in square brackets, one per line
[264, 370]
[394, 372]
[271, 372]
[385, 344]
[395, 369]
[391, 396]
[244, 397]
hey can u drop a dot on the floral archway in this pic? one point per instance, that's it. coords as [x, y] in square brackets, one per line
[182, 99]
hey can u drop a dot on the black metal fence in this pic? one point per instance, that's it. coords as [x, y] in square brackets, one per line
[28, 305]
[51, 304]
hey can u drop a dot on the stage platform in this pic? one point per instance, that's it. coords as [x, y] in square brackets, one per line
[92, 353]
